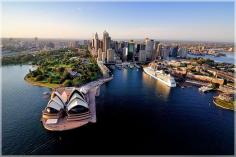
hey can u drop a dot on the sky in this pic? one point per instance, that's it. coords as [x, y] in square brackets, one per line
[202, 21]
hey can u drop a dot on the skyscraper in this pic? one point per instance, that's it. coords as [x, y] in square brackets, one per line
[158, 53]
[131, 50]
[142, 56]
[104, 56]
[149, 48]
[182, 52]
[101, 44]
[96, 42]
[110, 55]
[99, 54]
[174, 51]
[165, 51]
[124, 54]
[137, 47]
[106, 41]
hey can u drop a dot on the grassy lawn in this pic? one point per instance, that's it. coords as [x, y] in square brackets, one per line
[41, 83]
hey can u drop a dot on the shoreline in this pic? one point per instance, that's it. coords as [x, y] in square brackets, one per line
[222, 106]
[41, 84]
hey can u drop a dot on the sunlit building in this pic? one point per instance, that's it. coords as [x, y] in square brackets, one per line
[96, 42]
[110, 55]
[104, 56]
[149, 48]
[99, 54]
[125, 54]
[106, 41]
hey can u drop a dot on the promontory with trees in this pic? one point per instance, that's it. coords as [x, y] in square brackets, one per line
[64, 67]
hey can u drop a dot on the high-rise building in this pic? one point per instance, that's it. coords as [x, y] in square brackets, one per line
[137, 46]
[96, 42]
[106, 41]
[174, 51]
[110, 55]
[104, 56]
[156, 44]
[142, 46]
[165, 51]
[182, 52]
[101, 44]
[125, 54]
[99, 54]
[158, 53]
[92, 44]
[131, 50]
[149, 48]
[142, 56]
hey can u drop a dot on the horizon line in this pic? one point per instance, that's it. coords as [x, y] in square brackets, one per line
[114, 39]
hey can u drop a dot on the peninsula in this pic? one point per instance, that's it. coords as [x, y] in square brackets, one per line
[59, 68]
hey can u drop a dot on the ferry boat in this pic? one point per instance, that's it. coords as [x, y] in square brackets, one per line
[160, 75]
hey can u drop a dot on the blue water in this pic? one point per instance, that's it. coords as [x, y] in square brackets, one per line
[229, 58]
[135, 115]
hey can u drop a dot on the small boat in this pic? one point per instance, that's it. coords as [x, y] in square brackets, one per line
[46, 93]
[137, 66]
[205, 89]
[131, 66]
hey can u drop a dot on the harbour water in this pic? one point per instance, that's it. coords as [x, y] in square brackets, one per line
[135, 115]
[228, 58]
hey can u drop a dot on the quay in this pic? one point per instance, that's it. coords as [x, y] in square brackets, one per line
[197, 83]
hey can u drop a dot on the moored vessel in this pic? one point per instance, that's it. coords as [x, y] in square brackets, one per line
[160, 75]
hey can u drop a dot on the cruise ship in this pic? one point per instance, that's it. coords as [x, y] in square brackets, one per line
[160, 75]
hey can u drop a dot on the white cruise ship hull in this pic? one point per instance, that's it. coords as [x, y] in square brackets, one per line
[147, 71]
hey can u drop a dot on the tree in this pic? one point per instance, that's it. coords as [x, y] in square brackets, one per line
[66, 75]
[50, 79]
[39, 78]
[67, 83]
[61, 69]
[77, 81]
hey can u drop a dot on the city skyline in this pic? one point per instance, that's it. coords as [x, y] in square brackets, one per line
[195, 21]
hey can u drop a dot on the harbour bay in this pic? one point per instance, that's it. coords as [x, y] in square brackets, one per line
[135, 115]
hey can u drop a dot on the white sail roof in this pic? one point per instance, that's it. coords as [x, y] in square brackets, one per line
[76, 102]
[59, 96]
[76, 99]
[76, 95]
[64, 96]
[56, 103]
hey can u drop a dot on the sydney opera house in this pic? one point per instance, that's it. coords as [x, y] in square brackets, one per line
[66, 110]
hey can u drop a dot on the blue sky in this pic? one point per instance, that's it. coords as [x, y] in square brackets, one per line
[212, 21]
